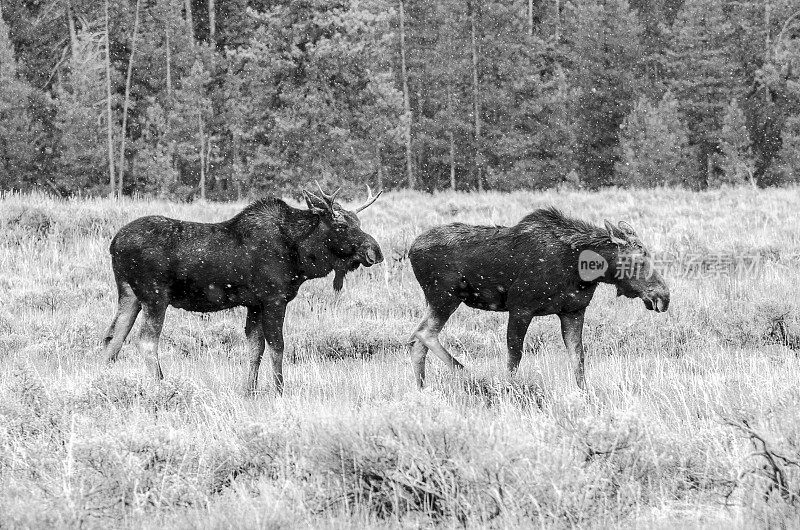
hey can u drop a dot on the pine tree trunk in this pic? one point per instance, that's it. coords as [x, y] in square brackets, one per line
[121, 165]
[202, 157]
[451, 116]
[452, 161]
[237, 170]
[212, 23]
[530, 17]
[111, 179]
[169, 56]
[207, 164]
[767, 53]
[406, 99]
[73, 38]
[189, 20]
[379, 163]
[476, 97]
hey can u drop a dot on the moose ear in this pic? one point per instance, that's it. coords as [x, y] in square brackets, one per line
[616, 235]
[626, 228]
[314, 203]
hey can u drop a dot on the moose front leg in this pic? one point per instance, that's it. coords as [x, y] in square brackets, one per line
[518, 322]
[272, 324]
[572, 333]
[254, 332]
[154, 312]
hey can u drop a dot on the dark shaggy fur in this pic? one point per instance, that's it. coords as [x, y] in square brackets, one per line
[258, 259]
[528, 270]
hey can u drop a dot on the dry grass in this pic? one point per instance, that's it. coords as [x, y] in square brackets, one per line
[690, 418]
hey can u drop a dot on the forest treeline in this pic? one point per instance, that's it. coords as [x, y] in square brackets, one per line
[225, 98]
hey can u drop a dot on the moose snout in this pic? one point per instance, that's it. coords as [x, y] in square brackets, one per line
[657, 300]
[372, 253]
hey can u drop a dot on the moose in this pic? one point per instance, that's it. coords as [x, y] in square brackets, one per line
[258, 259]
[547, 264]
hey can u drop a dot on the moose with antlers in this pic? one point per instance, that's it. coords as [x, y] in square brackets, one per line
[258, 259]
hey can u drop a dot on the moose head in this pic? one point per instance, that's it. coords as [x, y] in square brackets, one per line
[339, 232]
[632, 270]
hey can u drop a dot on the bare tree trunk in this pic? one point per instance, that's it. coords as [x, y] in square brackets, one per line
[167, 22]
[111, 180]
[189, 19]
[207, 163]
[73, 38]
[451, 113]
[450, 133]
[558, 20]
[379, 169]
[212, 23]
[767, 54]
[475, 96]
[121, 165]
[202, 157]
[452, 161]
[237, 170]
[530, 17]
[169, 56]
[406, 99]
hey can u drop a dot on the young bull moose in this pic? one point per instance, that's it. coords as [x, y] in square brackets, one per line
[257, 260]
[548, 264]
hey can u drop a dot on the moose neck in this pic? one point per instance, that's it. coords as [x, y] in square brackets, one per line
[609, 253]
[314, 258]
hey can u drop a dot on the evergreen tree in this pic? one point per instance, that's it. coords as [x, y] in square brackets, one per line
[704, 77]
[313, 100]
[21, 134]
[80, 119]
[736, 157]
[605, 52]
[654, 145]
[155, 160]
[189, 130]
[787, 164]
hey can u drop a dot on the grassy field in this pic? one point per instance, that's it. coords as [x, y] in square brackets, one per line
[667, 434]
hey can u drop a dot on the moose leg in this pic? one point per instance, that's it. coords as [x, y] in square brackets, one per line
[518, 322]
[254, 332]
[572, 333]
[272, 322]
[426, 337]
[151, 331]
[128, 308]
[418, 354]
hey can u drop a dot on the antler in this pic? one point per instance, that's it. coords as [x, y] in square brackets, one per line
[328, 198]
[625, 227]
[370, 200]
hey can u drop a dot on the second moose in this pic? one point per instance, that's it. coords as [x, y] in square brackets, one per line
[548, 264]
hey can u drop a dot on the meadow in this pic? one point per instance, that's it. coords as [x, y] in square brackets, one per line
[691, 418]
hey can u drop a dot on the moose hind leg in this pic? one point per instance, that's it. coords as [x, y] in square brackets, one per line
[154, 313]
[428, 334]
[128, 308]
[418, 354]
